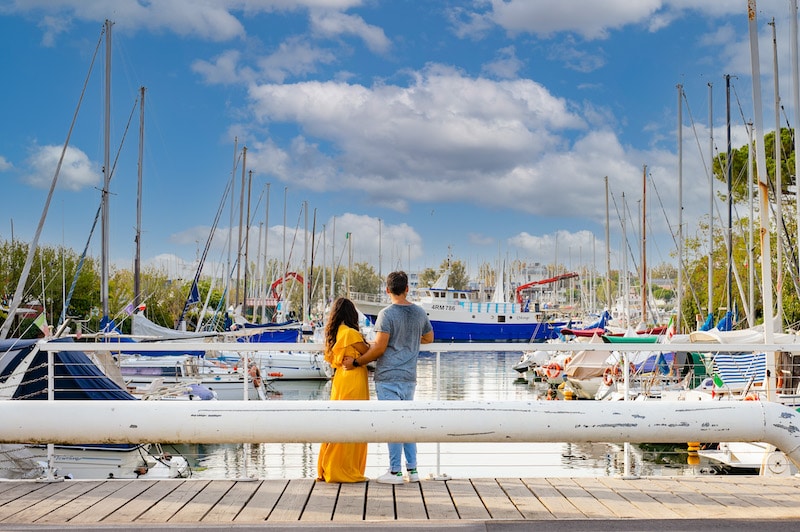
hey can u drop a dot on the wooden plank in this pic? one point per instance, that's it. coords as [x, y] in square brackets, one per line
[734, 506]
[408, 502]
[293, 500]
[89, 509]
[14, 491]
[63, 498]
[231, 503]
[351, 501]
[468, 504]
[321, 502]
[763, 506]
[495, 499]
[631, 490]
[524, 500]
[29, 498]
[674, 496]
[438, 503]
[760, 494]
[196, 508]
[707, 506]
[172, 502]
[133, 508]
[9, 487]
[262, 502]
[380, 501]
[617, 505]
[552, 499]
[584, 501]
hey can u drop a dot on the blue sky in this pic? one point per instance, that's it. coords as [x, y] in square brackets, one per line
[481, 128]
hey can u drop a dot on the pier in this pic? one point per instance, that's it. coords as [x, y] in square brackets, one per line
[654, 503]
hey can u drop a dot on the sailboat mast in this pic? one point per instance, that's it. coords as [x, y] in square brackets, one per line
[104, 225]
[729, 179]
[241, 215]
[678, 320]
[608, 253]
[778, 182]
[710, 201]
[644, 244]
[763, 194]
[247, 244]
[796, 102]
[137, 265]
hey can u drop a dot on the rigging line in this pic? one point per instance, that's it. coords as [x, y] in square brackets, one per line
[294, 241]
[17, 299]
[627, 244]
[696, 137]
[684, 266]
[206, 248]
[771, 185]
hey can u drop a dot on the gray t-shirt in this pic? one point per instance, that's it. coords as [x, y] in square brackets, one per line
[405, 324]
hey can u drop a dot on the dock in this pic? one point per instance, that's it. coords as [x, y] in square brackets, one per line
[477, 503]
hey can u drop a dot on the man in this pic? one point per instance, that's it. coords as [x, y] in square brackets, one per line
[399, 330]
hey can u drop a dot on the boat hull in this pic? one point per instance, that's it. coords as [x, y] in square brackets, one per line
[447, 330]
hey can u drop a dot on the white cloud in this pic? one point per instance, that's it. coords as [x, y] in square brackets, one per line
[77, 171]
[295, 57]
[506, 65]
[588, 18]
[5, 164]
[331, 24]
[567, 245]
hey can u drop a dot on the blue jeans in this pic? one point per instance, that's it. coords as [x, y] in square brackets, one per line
[398, 391]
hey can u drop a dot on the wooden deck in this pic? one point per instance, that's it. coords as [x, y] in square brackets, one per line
[226, 502]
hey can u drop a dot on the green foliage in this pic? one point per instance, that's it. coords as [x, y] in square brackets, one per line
[457, 280]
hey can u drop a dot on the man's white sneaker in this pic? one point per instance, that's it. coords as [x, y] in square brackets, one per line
[391, 478]
[413, 476]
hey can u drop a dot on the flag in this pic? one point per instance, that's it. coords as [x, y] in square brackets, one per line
[718, 382]
[41, 322]
[671, 327]
[194, 294]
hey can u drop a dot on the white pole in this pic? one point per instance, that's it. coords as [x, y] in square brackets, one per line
[796, 102]
[763, 189]
[74, 422]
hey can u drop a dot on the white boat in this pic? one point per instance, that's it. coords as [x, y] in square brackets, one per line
[23, 376]
[148, 375]
[283, 365]
[459, 316]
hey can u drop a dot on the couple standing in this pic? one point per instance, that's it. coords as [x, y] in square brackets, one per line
[399, 330]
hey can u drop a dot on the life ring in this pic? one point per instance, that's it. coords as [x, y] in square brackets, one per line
[751, 397]
[608, 376]
[553, 370]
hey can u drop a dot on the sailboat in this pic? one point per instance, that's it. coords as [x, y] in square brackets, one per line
[23, 377]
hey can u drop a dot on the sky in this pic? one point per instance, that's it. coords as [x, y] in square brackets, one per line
[485, 130]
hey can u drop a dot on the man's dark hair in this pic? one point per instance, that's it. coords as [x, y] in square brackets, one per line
[397, 282]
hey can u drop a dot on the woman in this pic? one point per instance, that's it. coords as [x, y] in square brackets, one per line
[344, 462]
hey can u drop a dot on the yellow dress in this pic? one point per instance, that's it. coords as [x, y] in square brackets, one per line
[345, 462]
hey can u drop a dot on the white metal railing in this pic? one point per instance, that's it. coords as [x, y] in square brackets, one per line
[421, 421]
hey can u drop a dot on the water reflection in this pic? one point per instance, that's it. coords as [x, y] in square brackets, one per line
[462, 376]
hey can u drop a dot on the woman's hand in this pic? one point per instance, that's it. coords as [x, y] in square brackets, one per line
[347, 363]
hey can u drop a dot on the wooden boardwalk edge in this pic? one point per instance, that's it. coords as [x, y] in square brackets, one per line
[229, 502]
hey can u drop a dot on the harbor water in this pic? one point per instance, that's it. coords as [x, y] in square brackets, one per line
[457, 376]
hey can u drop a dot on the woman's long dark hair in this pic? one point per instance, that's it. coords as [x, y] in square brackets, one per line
[342, 311]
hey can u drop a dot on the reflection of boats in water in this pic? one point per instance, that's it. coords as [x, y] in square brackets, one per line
[23, 376]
